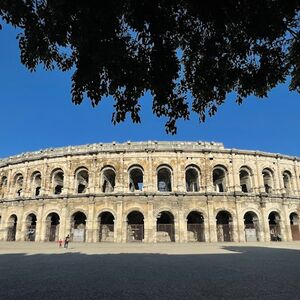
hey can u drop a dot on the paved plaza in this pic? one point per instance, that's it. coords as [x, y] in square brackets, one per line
[150, 271]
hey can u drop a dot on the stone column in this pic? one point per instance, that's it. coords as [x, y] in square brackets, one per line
[212, 228]
[119, 187]
[240, 227]
[235, 175]
[90, 221]
[63, 231]
[43, 234]
[96, 229]
[177, 228]
[154, 224]
[279, 179]
[97, 176]
[206, 229]
[288, 232]
[65, 222]
[9, 184]
[23, 233]
[182, 222]
[283, 228]
[92, 176]
[150, 221]
[26, 183]
[185, 232]
[119, 222]
[124, 230]
[261, 188]
[20, 230]
[297, 182]
[208, 173]
[68, 179]
[149, 179]
[3, 224]
[264, 223]
[45, 180]
[179, 174]
[231, 184]
[254, 182]
[40, 217]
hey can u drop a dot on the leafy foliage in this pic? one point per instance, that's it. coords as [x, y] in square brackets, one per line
[171, 48]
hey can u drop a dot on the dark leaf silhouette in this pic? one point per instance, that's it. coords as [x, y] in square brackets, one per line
[171, 49]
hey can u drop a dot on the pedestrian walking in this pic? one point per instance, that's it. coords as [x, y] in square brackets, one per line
[60, 243]
[67, 241]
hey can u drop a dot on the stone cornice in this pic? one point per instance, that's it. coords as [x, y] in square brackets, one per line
[156, 195]
[150, 146]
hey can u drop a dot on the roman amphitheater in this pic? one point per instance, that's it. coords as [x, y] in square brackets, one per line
[150, 192]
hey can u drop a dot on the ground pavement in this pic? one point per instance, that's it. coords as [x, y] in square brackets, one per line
[150, 271]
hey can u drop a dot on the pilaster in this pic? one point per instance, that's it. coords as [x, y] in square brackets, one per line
[212, 228]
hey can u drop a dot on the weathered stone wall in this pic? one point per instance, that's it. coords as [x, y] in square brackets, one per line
[21, 199]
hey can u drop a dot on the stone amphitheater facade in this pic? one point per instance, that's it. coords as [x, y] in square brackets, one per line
[150, 192]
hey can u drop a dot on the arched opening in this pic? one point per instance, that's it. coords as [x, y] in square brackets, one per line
[136, 179]
[192, 179]
[251, 227]
[108, 180]
[268, 180]
[195, 227]
[274, 225]
[106, 227]
[3, 182]
[219, 179]
[52, 227]
[82, 181]
[165, 227]
[164, 179]
[18, 184]
[224, 226]
[294, 221]
[245, 182]
[30, 227]
[287, 182]
[78, 227]
[36, 183]
[135, 226]
[58, 182]
[12, 228]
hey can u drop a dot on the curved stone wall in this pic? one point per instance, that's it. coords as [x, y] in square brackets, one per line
[150, 192]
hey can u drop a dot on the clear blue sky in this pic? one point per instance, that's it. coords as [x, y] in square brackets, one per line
[37, 112]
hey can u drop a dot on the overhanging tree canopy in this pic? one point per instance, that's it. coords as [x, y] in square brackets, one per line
[170, 48]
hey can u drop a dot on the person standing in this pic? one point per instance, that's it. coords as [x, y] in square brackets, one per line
[66, 245]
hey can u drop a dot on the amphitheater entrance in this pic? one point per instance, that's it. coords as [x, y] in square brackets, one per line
[274, 225]
[165, 227]
[106, 227]
[12, 228]
[30, 227]
[195, 227]
[224, 227]
[294, 221]
[251, 227]
[78, 227]
[52, 227]
[135, 227]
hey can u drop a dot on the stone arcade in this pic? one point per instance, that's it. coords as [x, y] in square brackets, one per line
[150, 192]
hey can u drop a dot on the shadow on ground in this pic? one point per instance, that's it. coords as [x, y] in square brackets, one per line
[247, 273]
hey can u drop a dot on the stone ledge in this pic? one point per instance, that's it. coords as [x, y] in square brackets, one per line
[150, 146]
